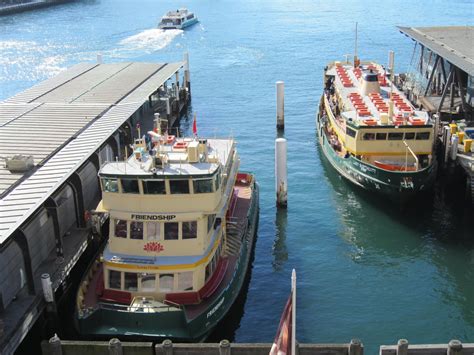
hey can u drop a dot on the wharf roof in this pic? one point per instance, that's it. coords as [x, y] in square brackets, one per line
[61, 122]
[453, 43]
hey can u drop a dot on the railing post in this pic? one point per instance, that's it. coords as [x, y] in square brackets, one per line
[167, 347]
[115, 347]
[402, 347]
[355, 347]
[224, 347]
[54, 346]
[454, 347]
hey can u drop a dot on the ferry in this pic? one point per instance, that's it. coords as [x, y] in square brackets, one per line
[372, 134]
[182, 226]
[177, 20]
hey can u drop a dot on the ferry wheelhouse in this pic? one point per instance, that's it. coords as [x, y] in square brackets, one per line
[178, 20]
[372, 134]
[183, 221]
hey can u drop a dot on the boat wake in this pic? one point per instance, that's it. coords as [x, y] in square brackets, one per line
[150, 40]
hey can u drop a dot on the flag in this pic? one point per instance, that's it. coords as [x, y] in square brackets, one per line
[282, 343]
[195, 129]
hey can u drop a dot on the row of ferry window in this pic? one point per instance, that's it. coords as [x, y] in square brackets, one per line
[391, 136]
[147, 282]
[161, 187]
[158, 230]
[167, 282]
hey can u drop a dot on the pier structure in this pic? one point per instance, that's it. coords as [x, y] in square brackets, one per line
[442, 82]
[53, 139]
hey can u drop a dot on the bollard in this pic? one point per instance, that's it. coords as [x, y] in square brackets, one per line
[167, 347]
[99, 58]
[47, 288]
[187, 74]
[402, 347]
[224, 347]
[281, 183]
[454, 347]
[168, 106]
[115, 347]
[355, 347]
[55, 345]
[454, 147]
[280, 86]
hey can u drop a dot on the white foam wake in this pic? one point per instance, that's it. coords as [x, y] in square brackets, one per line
[150, 40]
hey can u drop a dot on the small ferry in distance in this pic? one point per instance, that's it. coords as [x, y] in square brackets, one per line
[182, 226]
[370, 132]
[177, 20]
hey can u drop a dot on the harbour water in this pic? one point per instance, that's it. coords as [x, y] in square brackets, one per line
[365, 268]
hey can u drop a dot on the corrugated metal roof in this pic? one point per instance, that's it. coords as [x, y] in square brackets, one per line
[53, 83]
[453, 43]
[61, 122]
[34, 190]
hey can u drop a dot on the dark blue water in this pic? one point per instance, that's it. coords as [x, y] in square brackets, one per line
[365, 268]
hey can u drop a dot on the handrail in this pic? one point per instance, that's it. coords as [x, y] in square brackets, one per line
[406, 157]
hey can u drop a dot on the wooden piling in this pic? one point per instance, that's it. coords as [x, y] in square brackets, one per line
[355, 347]
[115, 347]
[454, 347]
[167, 347]
[402, 347]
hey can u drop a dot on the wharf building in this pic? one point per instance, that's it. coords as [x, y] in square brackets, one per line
[53, 139]
[441, 81]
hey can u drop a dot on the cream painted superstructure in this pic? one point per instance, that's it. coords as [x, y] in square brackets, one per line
[197, 217]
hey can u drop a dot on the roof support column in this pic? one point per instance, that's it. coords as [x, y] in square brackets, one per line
[435, 65]
[20, 239]
[51, 207]
[76, 184]
[445, 91]
[461, 90]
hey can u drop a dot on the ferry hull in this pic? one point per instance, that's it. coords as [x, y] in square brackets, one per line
[104, 322]
[397, 185]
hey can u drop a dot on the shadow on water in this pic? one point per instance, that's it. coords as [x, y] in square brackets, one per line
[279, 250]
[228, 326]
[435, 228]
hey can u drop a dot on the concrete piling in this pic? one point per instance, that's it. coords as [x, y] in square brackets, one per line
[402, 347]
[167, 347]
[355, 347]
[281, 183]
[99, 58]
[115, 347]
[187, 73]
[280, 92]
[54, 345]
[454, 147]
[224, 347]
[454, 347]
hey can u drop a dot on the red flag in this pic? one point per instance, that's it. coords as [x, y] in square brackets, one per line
[282, 343]
[195, 128]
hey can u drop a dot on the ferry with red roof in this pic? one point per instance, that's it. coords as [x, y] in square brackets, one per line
[372, 134]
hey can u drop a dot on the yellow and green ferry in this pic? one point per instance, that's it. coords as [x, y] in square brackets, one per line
[183, 222]
[372, 134]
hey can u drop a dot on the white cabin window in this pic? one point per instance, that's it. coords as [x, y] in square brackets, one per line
[130, 186]
[136, 230]
[110, 185]
[185, 281]
[153, 231]
[121, 228]
[166, 282]
[171, 231]
[189, 230]
[115, 279]
[179, 186]
[148, 282]
[203, 186]
[154, 187]
[131, 281]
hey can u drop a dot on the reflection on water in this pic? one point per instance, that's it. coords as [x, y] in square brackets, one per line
[279, 250]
